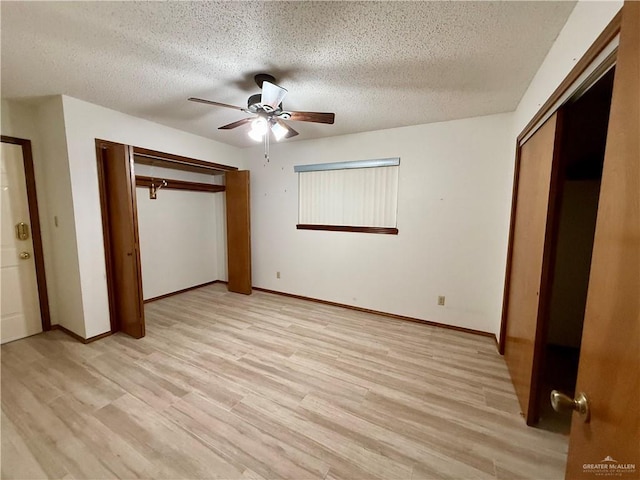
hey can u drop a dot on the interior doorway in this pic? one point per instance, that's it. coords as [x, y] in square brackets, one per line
[582, 150]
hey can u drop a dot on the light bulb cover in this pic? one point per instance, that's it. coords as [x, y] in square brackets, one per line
[279, 131]
[260, 125]
[255, 135]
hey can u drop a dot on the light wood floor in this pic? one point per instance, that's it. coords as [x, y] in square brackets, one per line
[264, 387]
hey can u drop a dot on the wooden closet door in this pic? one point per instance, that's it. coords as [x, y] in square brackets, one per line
[531, 238]
[609, 368]
[119, 215]
[238, 231]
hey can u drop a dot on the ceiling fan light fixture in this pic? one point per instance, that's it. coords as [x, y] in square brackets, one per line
[259, 127]
[269, 113]
[254, 135]
[279, 131]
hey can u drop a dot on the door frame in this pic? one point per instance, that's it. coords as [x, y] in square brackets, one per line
[548, 108]
[36, 232]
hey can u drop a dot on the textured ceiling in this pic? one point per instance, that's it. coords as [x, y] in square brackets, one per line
[375, 64]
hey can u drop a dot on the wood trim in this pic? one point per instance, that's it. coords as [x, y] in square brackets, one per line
[184, 290]
[171, 160]
[344, 228]
[377, 312]
[608, 34]
[78, 337]
[106, 228]
[507, 275]
[142, 181]
[134, 213]
[36, 232]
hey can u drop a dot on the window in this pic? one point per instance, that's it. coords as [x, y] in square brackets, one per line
[357, 196]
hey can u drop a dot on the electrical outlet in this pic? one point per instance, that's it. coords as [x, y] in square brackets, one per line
[441, 300]
[277, 274]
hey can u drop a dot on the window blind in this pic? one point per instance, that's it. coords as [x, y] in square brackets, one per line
[356, 197]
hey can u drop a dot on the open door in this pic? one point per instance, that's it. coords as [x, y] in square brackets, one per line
[120, 226]
[529, 269]
[238, 231]
[608, 372]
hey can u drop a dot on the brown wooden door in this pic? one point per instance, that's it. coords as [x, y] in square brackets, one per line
[610, 353]
[119, 214]
[529, 267]
[238, 231]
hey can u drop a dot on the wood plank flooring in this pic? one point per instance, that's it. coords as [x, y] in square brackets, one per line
[267, 387]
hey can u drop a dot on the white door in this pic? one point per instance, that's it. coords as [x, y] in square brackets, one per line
[19, 307]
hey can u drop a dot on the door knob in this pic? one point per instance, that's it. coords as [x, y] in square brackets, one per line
[563, 403]
[25, 255]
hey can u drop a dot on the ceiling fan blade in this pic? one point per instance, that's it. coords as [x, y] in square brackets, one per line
[217, 104]
[290, 131]
[316, 117]
[272, 94]
[239, 123]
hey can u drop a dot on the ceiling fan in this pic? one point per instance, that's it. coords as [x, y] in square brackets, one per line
[269, 113]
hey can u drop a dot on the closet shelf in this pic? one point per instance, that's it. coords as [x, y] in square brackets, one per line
[142, 181]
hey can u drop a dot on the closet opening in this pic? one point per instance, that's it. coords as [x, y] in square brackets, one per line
[175, 220]
[583, 141]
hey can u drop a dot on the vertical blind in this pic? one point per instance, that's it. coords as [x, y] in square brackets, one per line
[352, 196]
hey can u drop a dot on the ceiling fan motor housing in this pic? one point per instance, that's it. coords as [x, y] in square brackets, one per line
[254, 105]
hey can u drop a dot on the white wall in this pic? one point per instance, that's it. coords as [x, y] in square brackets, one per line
[44, 126]
[453, 214]
[179, 238]
[64, 242]
[19, 120]
[84, 123]
[587, 20]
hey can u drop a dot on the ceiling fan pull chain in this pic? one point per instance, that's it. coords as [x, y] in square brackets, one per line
[266, 146]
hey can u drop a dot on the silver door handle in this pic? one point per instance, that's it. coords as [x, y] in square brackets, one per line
[563, 403]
